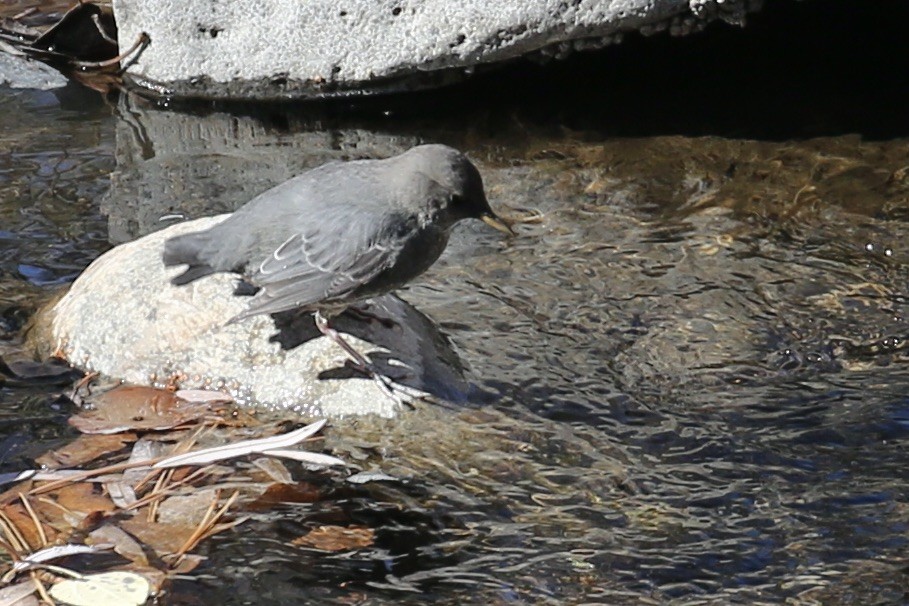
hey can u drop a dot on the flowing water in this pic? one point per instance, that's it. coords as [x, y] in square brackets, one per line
[688, 376]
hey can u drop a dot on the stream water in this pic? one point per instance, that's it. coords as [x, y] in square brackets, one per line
[688, 378]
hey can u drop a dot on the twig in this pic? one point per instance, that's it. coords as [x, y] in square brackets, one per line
[181, 447]
[142, 41]
[208, 523]
[38, 526]
[42, 590]
[25, 13]
[159, 489]
[200, 529]
[8, 548]
[97, 21]
[14, 534]
[83, 382]
[157, 494]
[84, 475]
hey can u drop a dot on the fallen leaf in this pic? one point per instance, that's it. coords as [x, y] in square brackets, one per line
[121, 493]
[16, 476]
[24, 523]
[143, 450]
[20, 594]
[134, 408]
[258, 446]
[82, 497]
[187, 564]
[186, 510]
[25, 373]
[204, 395]
[123, 544]
[301, 492]
[337, 538]
[310, 460]
[85, 448]
[54, 552]
[164, 539]
[274, 469]
[87, 31]
[105, 589]
[365, 477]
[155, 577]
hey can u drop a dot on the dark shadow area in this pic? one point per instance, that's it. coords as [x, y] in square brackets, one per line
[373, 323]
[799, 69]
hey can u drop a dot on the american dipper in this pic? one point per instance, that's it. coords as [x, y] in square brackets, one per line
[340, 233]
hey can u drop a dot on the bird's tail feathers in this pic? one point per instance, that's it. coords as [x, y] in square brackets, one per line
[186, 249]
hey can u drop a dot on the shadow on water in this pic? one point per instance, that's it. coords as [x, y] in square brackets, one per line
[688, 380]
[799, 69]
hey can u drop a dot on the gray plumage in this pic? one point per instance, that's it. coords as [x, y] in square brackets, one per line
[340, 233]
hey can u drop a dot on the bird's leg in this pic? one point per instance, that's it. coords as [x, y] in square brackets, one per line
[358, 359]
[387, 386]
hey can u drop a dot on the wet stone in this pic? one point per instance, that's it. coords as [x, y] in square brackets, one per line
[123, 318]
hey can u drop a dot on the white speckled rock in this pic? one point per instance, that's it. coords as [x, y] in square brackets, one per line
[289, 48]
[21, 72]
[123, 318]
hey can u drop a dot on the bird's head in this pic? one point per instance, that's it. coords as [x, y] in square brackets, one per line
[461, 187]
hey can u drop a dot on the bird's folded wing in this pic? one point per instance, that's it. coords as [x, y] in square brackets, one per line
[315, 266]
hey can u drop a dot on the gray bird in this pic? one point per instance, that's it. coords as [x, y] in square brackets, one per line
[340, 233]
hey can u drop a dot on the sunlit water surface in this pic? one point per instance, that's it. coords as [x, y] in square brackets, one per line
[689, 379]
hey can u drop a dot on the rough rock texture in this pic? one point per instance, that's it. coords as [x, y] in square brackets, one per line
[160, 331]
[19, 72]
[288, 48]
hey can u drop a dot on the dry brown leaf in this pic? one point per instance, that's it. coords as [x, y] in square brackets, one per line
[337, 538]
[301, 492]
[85, 448]
[12, 493]
[187, 564]
[134, 408]
[275, 470]
[123, 544]
[164, 539]
[186, 510]
[20, 518]
[84, 498]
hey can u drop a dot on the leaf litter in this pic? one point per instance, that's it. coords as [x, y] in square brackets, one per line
[129, 499]
[82, 43]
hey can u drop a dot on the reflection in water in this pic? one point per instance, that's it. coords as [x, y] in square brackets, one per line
[688, 381]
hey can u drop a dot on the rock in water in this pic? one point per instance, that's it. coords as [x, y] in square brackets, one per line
[124, 319]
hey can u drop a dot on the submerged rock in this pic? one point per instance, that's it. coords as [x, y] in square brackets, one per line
[124, 319]
[290, 49]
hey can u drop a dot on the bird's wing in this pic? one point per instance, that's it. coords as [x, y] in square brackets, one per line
[327, 260]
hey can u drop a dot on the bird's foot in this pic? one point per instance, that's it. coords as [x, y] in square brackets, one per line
[386, 384]
[402, 395]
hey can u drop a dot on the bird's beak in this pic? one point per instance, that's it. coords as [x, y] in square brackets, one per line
[499, 223]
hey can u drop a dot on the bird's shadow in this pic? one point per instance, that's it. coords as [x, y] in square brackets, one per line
[295, 328]
[442, 371]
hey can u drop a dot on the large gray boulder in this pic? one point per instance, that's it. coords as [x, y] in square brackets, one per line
[292, 49]
[124, 319]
